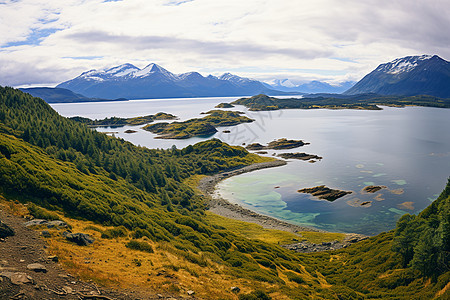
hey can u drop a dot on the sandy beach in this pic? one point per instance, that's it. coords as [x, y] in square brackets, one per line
[224, 208]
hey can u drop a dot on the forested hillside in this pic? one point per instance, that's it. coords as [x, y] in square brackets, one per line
[66, 167]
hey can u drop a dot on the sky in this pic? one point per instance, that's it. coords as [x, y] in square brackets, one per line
[46, 42]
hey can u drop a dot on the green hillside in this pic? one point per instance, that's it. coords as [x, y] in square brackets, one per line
[64, 166]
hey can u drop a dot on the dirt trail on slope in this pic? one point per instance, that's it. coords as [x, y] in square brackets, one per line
[26, 247]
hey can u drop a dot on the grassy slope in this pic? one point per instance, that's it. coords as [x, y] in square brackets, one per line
[369, 269]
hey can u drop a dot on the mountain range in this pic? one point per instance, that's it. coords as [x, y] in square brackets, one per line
[312, 87]
[153, 81]
[407, 76]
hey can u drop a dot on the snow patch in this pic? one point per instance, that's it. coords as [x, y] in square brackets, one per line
[402, 65]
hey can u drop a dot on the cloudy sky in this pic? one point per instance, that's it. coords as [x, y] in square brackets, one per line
[45, 42]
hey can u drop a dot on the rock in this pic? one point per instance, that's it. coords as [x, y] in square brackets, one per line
[323, 192]
[373, 188]
[300, 156]
[81, 239]
[159, 296]
[53, 258]
[235, 289]
[5, 230]
[190, 293]
[35, 222]
[17, 278]
[67, 289]
[46, 234]
[56, 223]
[37, 268]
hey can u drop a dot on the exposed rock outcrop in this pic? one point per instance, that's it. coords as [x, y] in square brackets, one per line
[323, 192]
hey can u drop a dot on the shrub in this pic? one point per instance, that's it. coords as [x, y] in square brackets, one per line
[140, 246]
[294, 277]
[116, 232]
[40, 213]
[255, 295]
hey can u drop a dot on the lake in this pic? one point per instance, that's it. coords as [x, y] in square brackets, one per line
[405, 149]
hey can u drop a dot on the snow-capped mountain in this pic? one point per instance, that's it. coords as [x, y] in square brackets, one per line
[410, 75]
[153, 81]
[312, 87]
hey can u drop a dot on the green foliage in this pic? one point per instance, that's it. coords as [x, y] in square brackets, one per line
[120, 122]
[140, 246]
[116, 232]
[294, 277]
[40, 213]
[423, 240]
[369, 102]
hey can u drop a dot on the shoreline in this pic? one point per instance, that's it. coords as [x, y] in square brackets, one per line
[223, 208]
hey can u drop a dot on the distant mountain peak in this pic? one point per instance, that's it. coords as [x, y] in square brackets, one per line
[233, 78]
[122, 70]
[407, 76]
[152, 69]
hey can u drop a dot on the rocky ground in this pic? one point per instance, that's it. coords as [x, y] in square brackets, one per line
[28, 272]
[306, 247]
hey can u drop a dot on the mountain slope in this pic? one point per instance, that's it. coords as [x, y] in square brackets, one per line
[153, 81]
[66, 167]
[411, 75]
[59, 95]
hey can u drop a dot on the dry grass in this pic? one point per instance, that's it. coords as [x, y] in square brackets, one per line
[253, 231]
[109, 263]
[319, 237]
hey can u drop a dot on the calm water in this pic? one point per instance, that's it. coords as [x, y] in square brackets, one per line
[407, 150]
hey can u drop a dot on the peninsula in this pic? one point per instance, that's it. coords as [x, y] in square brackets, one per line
[366, 102]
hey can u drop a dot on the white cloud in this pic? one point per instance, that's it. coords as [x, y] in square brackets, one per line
[303, 40]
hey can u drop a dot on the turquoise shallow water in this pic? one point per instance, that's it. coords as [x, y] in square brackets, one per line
[407, 150]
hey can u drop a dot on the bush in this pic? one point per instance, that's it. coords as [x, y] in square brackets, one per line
[116, 232]
[140, 246]
[40, 213]
[255, 295]
[294, 277]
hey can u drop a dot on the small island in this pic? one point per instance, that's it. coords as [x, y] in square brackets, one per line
[224, 105]
[300, 156]
[373, 188]
[279, 144]
[323, 192]
[365, 102]
[120, 122]
[198, 127]
[130, 131]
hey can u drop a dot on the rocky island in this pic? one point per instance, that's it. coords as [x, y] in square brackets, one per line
[279, 144]
[373, 188]
[224, 105]
[198, 127]
[323, 192]
[120, 122]
[300, 156]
